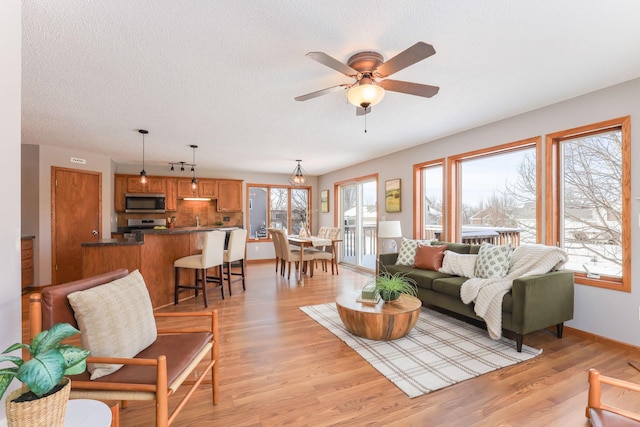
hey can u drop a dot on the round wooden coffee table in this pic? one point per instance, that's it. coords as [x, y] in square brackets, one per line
[382, 321]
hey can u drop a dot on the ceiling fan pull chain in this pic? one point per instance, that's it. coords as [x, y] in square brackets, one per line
[365, 119]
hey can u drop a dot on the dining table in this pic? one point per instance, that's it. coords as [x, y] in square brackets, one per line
[307, 242]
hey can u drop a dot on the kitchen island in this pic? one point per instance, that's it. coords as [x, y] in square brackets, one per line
[153, 253]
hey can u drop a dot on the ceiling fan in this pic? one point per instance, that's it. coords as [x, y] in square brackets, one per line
[366, 68]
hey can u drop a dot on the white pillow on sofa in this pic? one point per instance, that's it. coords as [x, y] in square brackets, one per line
[115, 320]
[458, 264]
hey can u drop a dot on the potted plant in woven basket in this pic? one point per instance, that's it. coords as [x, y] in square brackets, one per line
[390, 286]
[42, 401]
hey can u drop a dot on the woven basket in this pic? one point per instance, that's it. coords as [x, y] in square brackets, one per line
[45, 412]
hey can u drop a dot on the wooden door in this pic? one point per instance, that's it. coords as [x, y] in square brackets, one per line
[76, 218]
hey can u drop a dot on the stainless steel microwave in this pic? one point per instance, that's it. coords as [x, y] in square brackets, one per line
[144, 203]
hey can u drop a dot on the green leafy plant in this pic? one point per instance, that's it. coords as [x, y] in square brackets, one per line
[50, 361]
[390, 286]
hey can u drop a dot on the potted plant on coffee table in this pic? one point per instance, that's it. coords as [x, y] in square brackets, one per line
[390, 286]
[43, 399]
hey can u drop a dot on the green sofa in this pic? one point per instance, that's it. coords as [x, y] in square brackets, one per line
[534, 302]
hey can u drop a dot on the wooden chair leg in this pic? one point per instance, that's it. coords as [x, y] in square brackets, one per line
[229, 277]
[177, 282]
[242, 274]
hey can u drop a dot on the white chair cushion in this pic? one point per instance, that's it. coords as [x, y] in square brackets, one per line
[191, 261]
[115, 320]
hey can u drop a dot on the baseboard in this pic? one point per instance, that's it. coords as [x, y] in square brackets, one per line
[600, 338]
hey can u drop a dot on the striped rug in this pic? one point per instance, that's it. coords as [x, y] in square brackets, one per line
[438, 352]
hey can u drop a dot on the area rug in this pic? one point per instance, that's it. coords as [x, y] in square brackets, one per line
[438, 352]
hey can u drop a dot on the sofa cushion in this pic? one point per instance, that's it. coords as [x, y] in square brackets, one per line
[429, 257]
[458, 264]
[407, 252]
[449, 285]
[493, 261]
[115, 320]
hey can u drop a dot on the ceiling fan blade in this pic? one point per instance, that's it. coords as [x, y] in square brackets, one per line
[409, 88]
[320, 92]
[331, 62]
[415, 53]
[362, 111]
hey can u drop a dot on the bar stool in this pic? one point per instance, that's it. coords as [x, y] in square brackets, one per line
[212, 256]
[235, 252]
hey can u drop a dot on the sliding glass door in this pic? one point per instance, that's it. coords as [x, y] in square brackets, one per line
[358, 207]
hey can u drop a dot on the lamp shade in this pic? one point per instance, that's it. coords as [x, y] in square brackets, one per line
[365, 94]
[389, 229]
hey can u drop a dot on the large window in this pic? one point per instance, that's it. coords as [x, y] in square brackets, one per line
[588, 201]
[282, 207]
[429, 199]
[494, 194]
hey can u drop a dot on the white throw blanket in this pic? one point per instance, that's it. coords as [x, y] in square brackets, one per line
[487, 294]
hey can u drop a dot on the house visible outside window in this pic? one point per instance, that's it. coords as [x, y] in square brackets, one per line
[429, 199]
[588, 206]
[494, 194]
[282, 207]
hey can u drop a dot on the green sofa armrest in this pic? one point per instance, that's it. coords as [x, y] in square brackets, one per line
[542, 300]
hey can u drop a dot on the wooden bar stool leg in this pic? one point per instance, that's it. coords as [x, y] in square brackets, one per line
[204, 286]
[177, 282]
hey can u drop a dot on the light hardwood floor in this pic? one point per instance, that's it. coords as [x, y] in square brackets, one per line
[279, 367]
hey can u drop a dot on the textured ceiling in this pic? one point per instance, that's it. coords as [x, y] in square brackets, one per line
[223, 74]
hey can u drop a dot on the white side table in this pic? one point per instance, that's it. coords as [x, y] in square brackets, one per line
[83, 413]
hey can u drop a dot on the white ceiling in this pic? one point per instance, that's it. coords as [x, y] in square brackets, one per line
[223, 74]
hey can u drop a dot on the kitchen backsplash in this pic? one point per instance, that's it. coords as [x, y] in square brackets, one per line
[186, 215]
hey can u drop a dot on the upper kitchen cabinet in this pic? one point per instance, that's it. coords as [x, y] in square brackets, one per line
[153, 185]
[229, 196]
[205, 188]
[172, 194]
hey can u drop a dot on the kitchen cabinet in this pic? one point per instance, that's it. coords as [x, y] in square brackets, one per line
[171, 194]
[229, 196]
[26, 252]
[119, 189]
[153, 185]
[205, 188]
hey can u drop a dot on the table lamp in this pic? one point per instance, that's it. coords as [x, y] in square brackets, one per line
[388, 231]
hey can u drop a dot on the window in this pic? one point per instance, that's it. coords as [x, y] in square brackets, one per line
[429, 199]
[274, 206]
[495, 195]
[588, 201]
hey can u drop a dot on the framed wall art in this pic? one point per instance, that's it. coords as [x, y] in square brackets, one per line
[392, 195]
[324, 201]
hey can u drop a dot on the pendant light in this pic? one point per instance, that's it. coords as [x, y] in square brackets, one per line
[194, 181]
[143, 173]
[299, 176]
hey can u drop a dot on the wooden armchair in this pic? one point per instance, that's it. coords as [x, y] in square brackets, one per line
[153, 374]
[601, 414]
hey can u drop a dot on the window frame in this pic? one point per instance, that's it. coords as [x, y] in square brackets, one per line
[418, 196]
[454, 228]
[289, 188]
[553, 195]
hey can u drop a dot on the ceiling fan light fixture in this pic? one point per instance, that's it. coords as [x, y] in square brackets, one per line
[298, 176]
[366, 94]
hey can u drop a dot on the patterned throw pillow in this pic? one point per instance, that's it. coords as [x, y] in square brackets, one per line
[407, 252]
[493, 261]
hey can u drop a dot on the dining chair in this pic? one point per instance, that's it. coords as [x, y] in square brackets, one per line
[276, 246]
[290, 255]
[235, 252]
[212, 256]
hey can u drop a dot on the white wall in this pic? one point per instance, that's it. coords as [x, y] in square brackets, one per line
[603, 312]
[10, 110]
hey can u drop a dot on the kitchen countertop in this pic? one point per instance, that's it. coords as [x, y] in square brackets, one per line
[176, 230]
